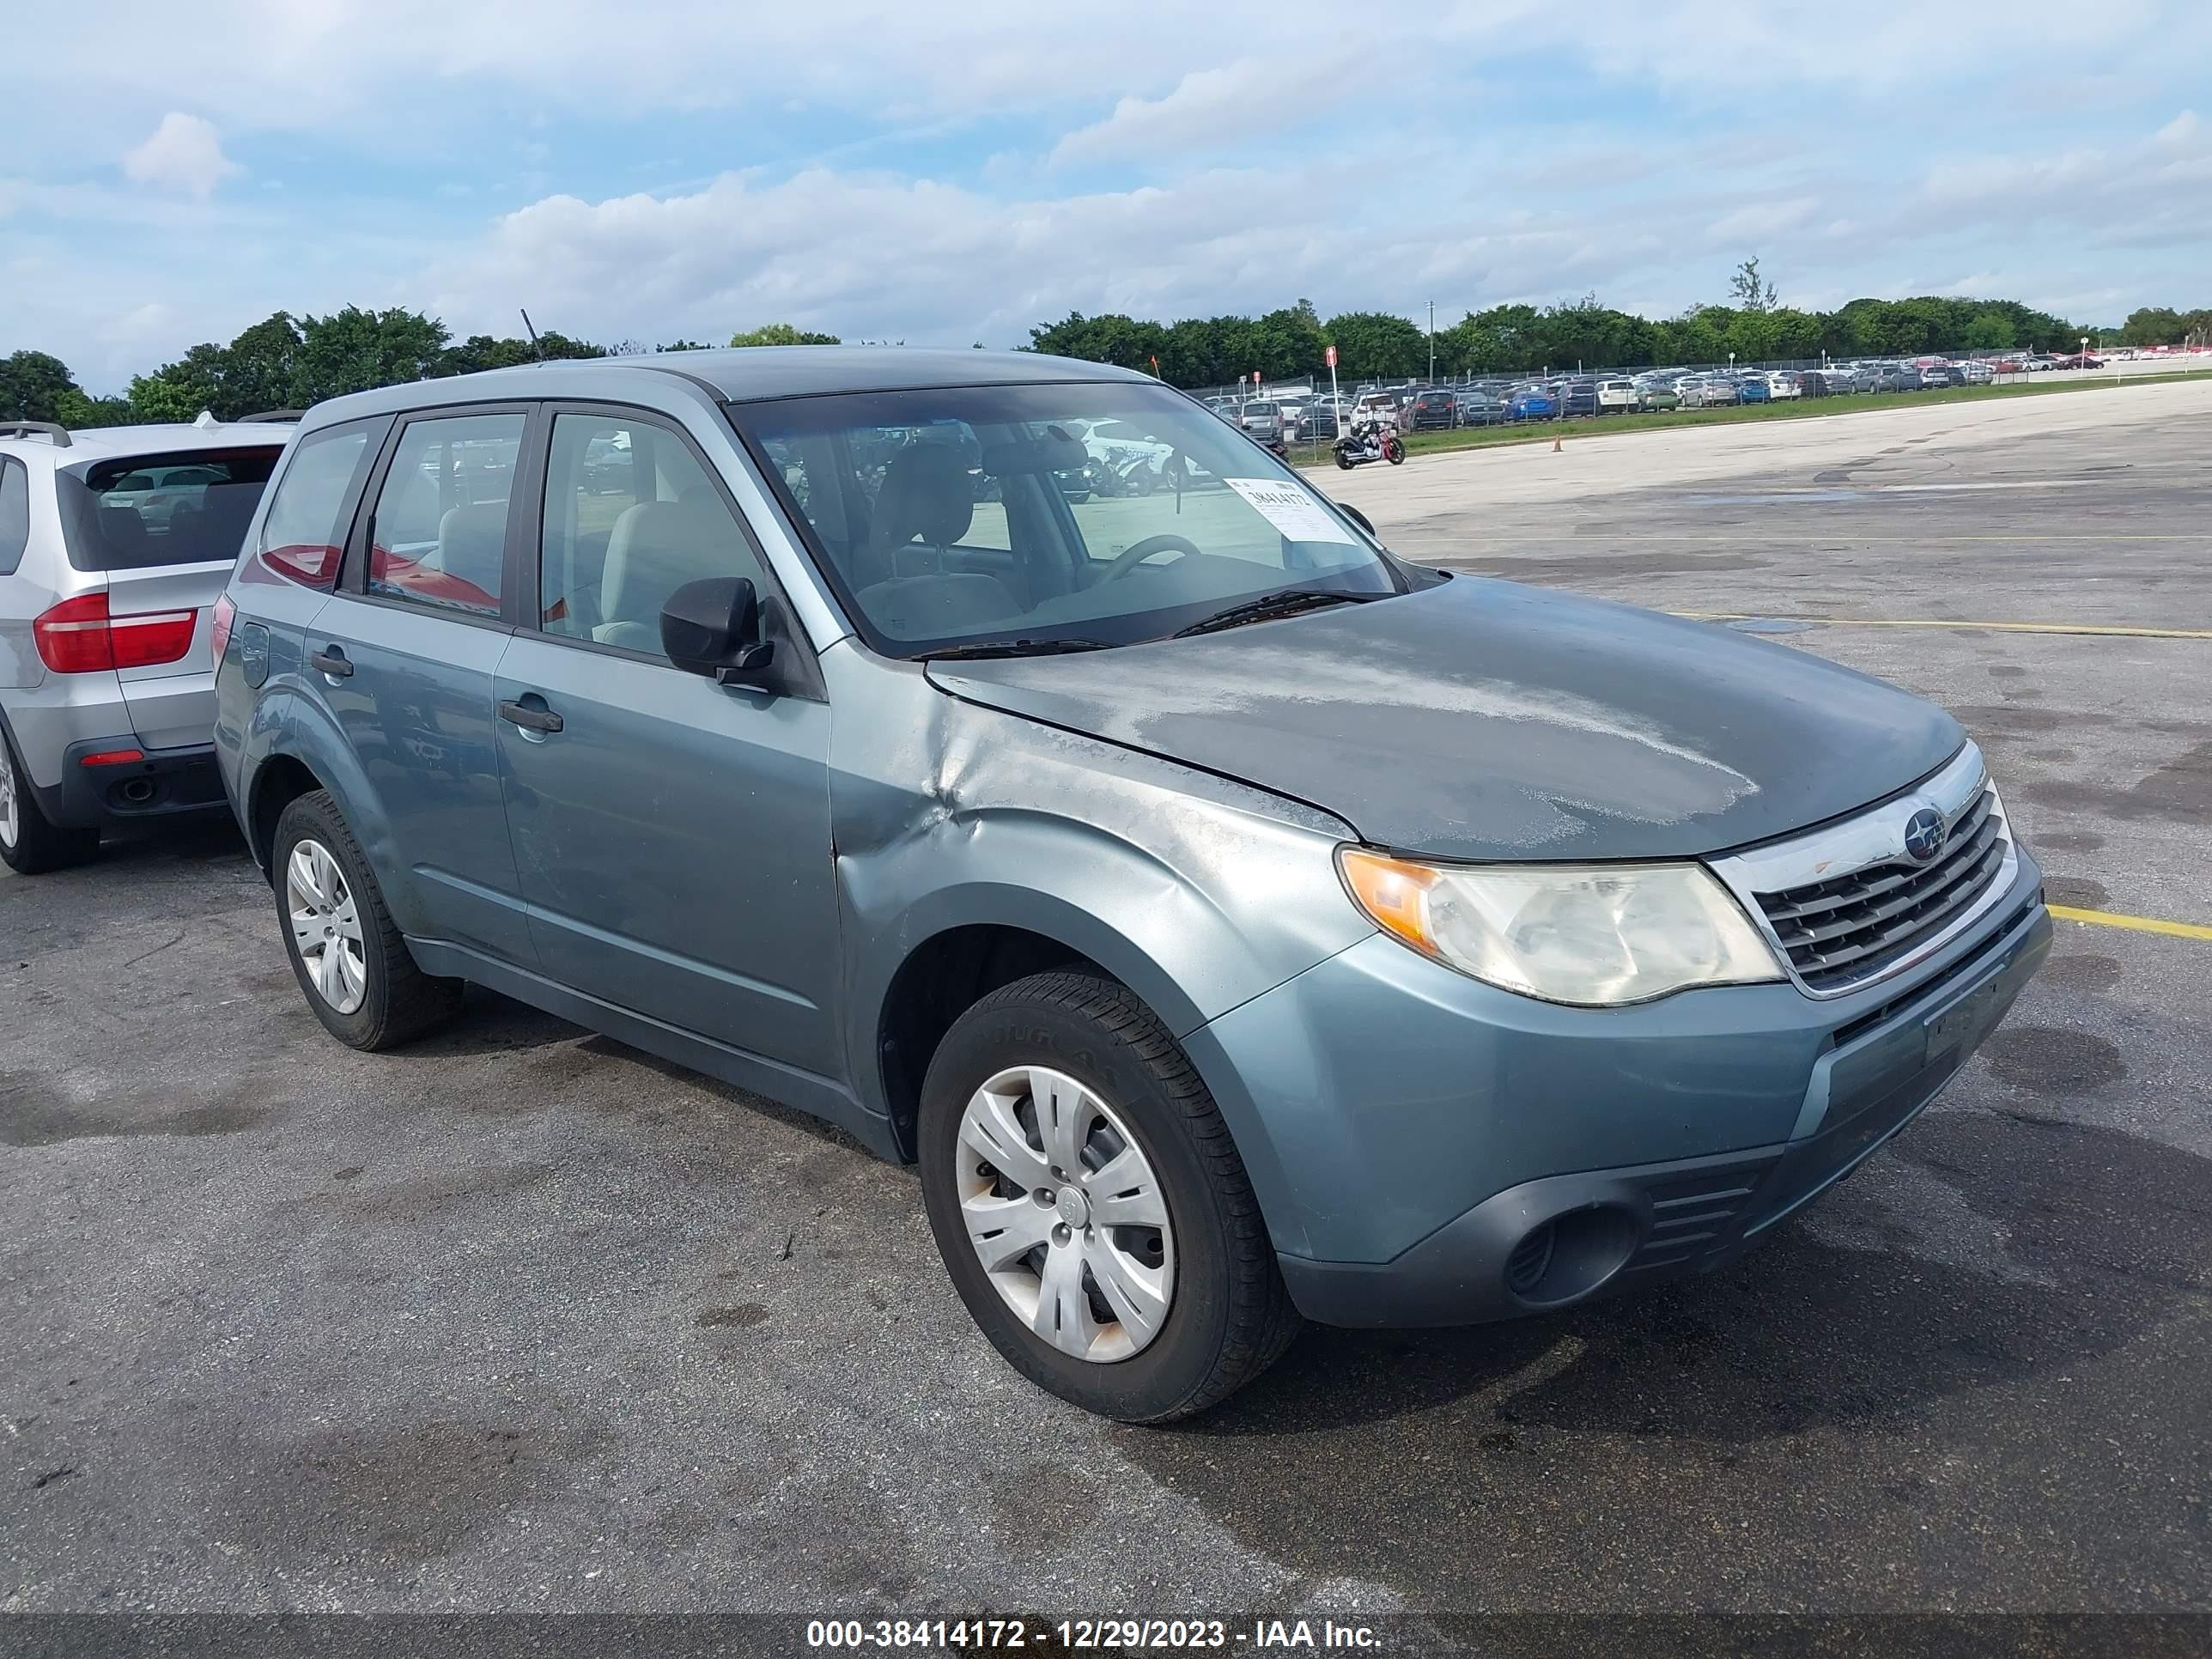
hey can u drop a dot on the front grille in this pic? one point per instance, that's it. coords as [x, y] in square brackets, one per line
[1694, 1215]
[1845, 1033]
[1850, 927]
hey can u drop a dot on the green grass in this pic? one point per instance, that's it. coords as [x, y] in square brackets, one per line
[1585, 426]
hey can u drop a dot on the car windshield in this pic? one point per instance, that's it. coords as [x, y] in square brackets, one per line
[970, 516]
[154, 510]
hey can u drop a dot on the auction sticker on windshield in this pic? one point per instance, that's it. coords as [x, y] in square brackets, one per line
[1291, 511]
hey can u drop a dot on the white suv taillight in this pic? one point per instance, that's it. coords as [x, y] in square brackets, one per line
[78, 636]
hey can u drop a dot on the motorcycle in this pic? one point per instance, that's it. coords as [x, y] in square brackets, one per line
[1366, 443]
[1122, 472]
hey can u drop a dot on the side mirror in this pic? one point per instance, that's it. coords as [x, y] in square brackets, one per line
[713, 628]
[1357, 518]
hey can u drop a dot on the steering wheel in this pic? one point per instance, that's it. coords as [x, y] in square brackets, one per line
[1137, 552]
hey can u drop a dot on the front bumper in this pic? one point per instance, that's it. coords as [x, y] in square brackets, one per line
[1429, 1150]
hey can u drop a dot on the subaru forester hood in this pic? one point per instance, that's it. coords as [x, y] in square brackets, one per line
[1482, 719]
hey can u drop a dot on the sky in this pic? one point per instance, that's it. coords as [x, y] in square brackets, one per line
[961, 171]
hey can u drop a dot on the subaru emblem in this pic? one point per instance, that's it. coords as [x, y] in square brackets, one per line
[1923, 834]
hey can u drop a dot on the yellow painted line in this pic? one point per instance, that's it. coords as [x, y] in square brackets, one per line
[2139, 924]
[2119, 631]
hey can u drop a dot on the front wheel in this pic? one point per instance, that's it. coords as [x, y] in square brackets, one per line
[1090, 1207]
[1395, 453]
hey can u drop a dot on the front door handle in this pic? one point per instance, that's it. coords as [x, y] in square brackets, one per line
[530, 719]
[331, 661]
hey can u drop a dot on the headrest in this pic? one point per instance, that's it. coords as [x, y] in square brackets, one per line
[121, 526]
[927, 492]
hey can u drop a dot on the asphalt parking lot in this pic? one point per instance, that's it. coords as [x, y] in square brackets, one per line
[521, 1319]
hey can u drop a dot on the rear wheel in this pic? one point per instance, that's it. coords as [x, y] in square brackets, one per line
[30, 844]
[1091, 1207]
[351, 961]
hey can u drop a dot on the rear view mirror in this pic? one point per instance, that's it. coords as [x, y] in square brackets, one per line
[1357, 517]
[1054, 453]
[713, 628]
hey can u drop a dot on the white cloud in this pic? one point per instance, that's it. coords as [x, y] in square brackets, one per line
[150, 321]
[186, 151]
[862, 254]
[2127, 188]
[1233, 156]
[1206, 106]
[1762, 219]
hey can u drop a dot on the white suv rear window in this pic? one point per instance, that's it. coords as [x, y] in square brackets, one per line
[186, 508]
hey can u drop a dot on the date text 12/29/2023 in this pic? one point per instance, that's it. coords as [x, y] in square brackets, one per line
[1087, 1635]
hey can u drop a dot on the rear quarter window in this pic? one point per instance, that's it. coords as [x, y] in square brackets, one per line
[303, 535]
[15, 514]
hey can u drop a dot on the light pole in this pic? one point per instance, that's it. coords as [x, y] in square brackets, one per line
[1432, 342]
[2084, 364]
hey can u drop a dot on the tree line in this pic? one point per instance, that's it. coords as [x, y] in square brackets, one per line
[286, 361]
[1511, 339]
[290, 362]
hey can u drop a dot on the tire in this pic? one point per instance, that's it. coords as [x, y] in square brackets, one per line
[395, 1001]
[1227, 1316]
[1395, 452]
[31, 844]
[1344, 460]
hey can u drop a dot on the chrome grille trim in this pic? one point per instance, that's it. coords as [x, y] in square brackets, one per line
[1851, 887]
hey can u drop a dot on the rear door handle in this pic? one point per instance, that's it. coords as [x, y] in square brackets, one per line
[530, 719]
[332, 662]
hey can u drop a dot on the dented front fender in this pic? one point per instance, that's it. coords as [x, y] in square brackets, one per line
[1197, 892]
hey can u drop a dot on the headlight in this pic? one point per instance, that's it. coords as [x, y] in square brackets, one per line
[1594, 934]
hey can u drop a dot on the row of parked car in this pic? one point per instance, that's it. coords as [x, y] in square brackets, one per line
[1308, 416]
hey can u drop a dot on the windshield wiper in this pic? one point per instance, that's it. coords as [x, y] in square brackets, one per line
[1013, 648]
[1268, 605]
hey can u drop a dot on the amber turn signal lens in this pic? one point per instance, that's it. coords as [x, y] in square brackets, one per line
[1393, 892]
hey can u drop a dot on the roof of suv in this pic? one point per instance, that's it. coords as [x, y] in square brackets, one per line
[742, 374]
[749, 374]
[105, 442]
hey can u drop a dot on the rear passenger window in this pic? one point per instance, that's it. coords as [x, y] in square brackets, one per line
[305, 528]
[631, 516]
[15, 514]
[440, 526]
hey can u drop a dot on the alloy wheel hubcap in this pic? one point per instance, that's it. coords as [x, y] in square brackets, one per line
[325, 926]
[1066, 1214]
[10, 825]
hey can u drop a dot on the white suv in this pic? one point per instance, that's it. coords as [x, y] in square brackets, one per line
[114, 547]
